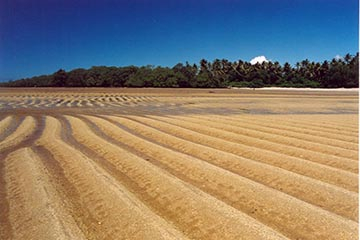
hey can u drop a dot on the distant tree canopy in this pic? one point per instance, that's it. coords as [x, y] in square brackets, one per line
[337, 73]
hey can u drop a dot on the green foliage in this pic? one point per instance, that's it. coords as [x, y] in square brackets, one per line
[141, 78]
[59, 79]
[219, 73]
[76, 78]
[256, 83]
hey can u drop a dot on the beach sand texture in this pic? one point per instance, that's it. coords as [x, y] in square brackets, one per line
[178, 164]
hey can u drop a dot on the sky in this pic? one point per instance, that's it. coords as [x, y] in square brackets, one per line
[41, 36]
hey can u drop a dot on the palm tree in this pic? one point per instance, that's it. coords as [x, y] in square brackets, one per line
[347, 58]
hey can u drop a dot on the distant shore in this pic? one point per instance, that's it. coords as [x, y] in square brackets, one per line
[304, 89]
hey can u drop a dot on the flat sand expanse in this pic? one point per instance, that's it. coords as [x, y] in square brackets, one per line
[178, 164]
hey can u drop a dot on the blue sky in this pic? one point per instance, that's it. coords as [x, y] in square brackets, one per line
[41, 36]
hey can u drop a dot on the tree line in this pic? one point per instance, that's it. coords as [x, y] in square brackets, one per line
[339, 72]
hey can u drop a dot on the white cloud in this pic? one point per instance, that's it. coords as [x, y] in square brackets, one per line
[259, 59]
[338, 57]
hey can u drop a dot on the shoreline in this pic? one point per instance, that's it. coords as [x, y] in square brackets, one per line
[302, 89]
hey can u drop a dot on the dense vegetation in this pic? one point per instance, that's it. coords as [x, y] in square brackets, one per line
[342, 72]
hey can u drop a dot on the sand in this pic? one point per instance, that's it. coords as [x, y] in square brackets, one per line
[178, 164]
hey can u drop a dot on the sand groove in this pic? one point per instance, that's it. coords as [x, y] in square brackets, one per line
[5, 123]
[287, 137]
[300, 126]
[241, 192]
[106, 200]
[291, 146]
[21, 133]
[318, 193]
[343, 179]
[315, 153]
[40, 203]
[8, 125]
[169, 201]
[69, 101]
